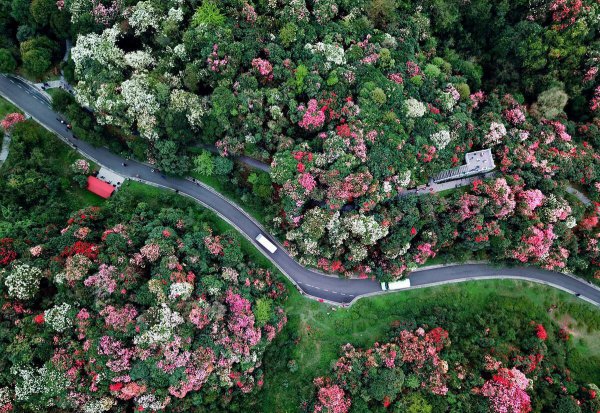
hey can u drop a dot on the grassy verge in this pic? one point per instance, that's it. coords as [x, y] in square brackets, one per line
[222, 186]
[6, 107]
[316, 332]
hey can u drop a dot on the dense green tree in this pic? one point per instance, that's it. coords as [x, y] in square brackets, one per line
[204, 164]
[8, 63]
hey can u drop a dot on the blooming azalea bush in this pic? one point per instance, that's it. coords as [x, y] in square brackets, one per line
[10, 120]
[142, 315]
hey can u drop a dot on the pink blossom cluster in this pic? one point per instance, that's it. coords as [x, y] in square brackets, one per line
[213, 244]
[396, 78]
[150, 251]
[502, 196]
[264, 67]
[314, 117]
[514, 116]
[595, 102]
[370, 59]
[103, 14]
[241, 323]
[249, 13]
[215, 63]
[536, 243]
[477, 99]
[590, 74]
[565, 12]
[531, 198]
[81, 166]
[119, 319]
[506, 391]
[352, 186]
[469, 206]
[560, 129]
[412, 69]
[104, 280]
[425, 251]
[332, 399]
[307, 181]
[11, 120]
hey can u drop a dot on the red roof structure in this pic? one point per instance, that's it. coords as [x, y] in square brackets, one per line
[99, 187]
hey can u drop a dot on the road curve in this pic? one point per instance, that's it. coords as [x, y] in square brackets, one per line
[314, 284]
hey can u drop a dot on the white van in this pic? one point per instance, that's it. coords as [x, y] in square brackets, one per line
[262, 240]
[396, 285]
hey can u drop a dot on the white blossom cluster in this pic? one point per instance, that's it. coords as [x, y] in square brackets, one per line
[414, 108]
[366, 228]
[142, 103]
[441, 139]
[179, 51]
[58, 318]
[23, 282]
[190, 103]
[162, 330]
[404, 178]
[175, 15]
[100, 48]
[447, 101]
[358, 252]
[496, 133]
[5, 397]
[151, 403]
[143, 17]
[181, 291]
[139, 60]
[35, 382]
[108, 104]
[336, 231]
[98, 406]
[333, 53]
[397, 252]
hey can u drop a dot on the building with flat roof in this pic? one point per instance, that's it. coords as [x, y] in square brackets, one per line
[478, 162]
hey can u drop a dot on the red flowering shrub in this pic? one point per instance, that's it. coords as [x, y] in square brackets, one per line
[7, 253]
[540, 332]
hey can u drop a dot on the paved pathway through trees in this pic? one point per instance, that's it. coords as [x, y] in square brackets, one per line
[310, 282]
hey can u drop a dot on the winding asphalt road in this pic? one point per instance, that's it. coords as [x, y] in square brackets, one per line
[312, 283]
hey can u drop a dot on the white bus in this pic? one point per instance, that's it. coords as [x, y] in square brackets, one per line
[262, 240]
[396, 285]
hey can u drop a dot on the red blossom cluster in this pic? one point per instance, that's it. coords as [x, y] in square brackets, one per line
[7, 253]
